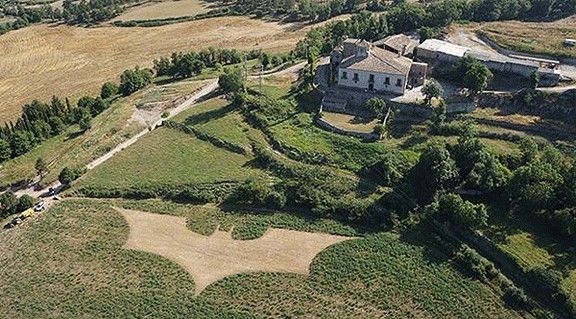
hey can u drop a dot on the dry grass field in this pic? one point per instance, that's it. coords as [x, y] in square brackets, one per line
[538, 38]
[43, 60]
[164, 9]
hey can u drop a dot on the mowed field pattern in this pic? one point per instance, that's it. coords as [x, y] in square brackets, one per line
[164, 9]
[44, 60]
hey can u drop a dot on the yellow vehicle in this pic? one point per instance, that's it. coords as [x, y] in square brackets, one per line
[27, 213]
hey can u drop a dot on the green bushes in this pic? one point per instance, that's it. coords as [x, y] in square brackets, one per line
[68, 175]
[484, 270]
[134, 80]
[256, 192]
[461, 213]
[191, 193]
[108, 90]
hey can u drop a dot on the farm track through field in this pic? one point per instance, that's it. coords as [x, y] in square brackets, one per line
[211, 86]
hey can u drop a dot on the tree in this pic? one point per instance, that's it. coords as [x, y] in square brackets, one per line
[488, 174]
[24, 202]
[438, 118]
[109, 89]
[41, 167]
[134, 80]
[467, 152]
[98, 106]
[378, 106]
[475, 75]
[265, 60]
[453, 208]
[8, 203]
[427, 33]
[231, 81]
[21, 142]
[534, 79]
[56, 124]
[436, 170]
[85, 123]
[432, 89]
[5, 150]
[536, 186]
[68, 175]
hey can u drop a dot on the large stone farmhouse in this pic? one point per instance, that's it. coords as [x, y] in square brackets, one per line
[363, 66]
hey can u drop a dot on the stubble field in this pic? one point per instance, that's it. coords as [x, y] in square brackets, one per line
[44, 60]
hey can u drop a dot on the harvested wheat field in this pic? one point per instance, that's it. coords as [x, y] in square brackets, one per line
[40, 61]
[530, 37]
[210, 258]
[164, 9]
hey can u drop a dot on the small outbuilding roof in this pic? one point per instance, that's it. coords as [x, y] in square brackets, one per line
[378, 60]
[448, 48]
[398, 42]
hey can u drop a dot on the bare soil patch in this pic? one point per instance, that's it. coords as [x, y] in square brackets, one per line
[211, 258]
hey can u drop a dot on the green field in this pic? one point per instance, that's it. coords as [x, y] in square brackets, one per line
[218, 118]
[77, 268]
[530, 247]
[347, 152]
[169, 157]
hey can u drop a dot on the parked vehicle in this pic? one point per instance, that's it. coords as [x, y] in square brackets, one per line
[18, 219]
[40, 206]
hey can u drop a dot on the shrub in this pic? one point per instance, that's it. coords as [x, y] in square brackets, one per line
[108, 90]
[24, 202]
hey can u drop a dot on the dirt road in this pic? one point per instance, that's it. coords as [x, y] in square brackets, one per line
[211, 86]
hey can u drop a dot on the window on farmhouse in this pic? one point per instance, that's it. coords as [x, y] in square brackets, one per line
[387, 81]
[355, 76]
[399, 82]
[371, 78]
[344, 75]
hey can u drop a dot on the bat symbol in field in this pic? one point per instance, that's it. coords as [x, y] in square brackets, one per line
[210, 258]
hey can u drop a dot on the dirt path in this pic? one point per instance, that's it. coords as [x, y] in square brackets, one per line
[211, 258]
[211, 85]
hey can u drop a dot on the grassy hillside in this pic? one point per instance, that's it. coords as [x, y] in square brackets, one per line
[78, 268]
[169, 157]
[113, 126]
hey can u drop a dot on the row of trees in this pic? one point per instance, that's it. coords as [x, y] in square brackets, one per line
[295, 10]
[72, 12]
[405, 16]
[187, 64]
[40, 121]
[184, 65]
